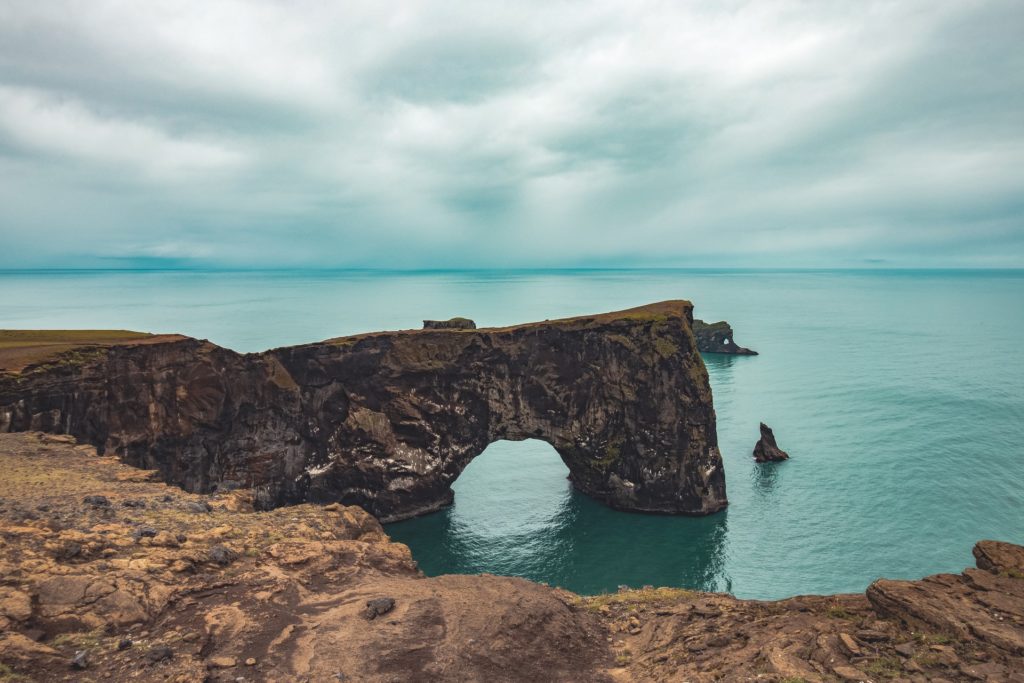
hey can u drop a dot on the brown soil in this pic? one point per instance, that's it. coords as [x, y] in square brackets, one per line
[22, 348]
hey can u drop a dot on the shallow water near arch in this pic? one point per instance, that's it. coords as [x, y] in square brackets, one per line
[897, 394]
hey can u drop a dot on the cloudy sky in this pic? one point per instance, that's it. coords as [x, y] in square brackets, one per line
[528, 134]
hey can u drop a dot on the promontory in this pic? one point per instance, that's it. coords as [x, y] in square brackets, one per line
[387, 420]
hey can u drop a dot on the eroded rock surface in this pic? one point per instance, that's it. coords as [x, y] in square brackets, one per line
[718, 338]
[224, 593]
[388, 420]
[766, 450]
[232, 593]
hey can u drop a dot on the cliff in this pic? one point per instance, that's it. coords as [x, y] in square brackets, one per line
[388, 420]
[107, 574]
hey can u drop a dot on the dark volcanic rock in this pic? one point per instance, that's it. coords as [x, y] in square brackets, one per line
[159, 653]
[388, 420]
[718, 338]
[378, 607]
[450, 324]
[766, 450]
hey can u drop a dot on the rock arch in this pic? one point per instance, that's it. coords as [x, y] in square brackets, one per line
[388, 420]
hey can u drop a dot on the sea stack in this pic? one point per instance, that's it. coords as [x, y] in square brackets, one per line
[766, 450]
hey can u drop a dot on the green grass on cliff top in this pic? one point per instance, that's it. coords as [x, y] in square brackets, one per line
[20, 348]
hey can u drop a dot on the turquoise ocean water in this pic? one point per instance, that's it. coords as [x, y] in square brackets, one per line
[898, 394]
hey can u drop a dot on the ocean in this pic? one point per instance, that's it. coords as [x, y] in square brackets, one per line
[898, 394]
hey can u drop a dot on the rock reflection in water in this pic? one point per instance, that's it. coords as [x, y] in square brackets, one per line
[516, 514]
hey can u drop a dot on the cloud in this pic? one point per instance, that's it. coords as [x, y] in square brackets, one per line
[464, 134]
[60, 127]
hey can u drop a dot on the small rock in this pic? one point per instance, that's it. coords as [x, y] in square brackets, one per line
[159, 653]
[719, 641]
[181, 538]
[251, 661]
[221, 555]
[134, 503]
[199, 507]
[144, 532]
[850, 644]
[80, 660]
[191, 636]
[849, 673]
[68, 550]
[945, 655]
[378, 607]
[124, 644]
[97, 501]
[906, 649]
[872, 636]
[221, 662]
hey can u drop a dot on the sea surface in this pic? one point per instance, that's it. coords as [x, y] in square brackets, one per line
[898, 394]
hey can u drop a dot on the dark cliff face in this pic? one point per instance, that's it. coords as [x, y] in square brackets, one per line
[389, 420]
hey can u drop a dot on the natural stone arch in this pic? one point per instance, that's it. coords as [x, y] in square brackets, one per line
[623, 398]
[388, 420]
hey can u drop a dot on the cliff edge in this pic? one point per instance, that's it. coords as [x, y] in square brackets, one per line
[107, 574]
[388, 420]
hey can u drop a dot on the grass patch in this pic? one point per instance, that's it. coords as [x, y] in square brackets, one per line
[665, 348]
[9, 675]
[933, 638]
[839, 612]
[78, 640]
[887, 667]
[612, 451]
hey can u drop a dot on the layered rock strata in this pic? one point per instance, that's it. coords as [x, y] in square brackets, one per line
[388, 420]
[106, 574]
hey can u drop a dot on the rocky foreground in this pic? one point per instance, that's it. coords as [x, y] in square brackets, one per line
[108, 574]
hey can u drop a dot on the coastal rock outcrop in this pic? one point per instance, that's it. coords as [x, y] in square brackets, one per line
[450, 324]
[388, 420]
[283, 595]
[718, 338]
[766, 450]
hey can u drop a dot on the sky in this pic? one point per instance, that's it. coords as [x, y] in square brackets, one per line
[770, 133]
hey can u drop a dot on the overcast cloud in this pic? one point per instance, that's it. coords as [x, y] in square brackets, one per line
[465, 134]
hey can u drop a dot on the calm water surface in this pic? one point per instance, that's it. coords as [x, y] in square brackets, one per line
[899, 396]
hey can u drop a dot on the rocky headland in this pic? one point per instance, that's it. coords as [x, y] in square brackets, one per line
[388, 420]
[718, 338]
[108, 574]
